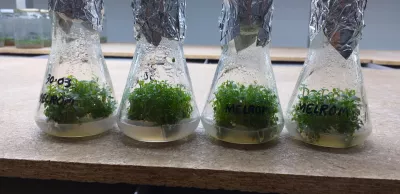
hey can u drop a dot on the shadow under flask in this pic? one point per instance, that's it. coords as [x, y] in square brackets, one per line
[243, 106]
[158, 104]
[77, 97]
[329, 105]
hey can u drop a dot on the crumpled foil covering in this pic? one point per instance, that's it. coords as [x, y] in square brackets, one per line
[246, 21]
[89, 11]
[155, 19]
[342, 22]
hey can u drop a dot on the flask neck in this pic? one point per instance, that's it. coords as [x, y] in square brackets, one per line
[251, 55]
[74, 36]
[73, 44]
[164, 43]
[327, 48]
[166, 51]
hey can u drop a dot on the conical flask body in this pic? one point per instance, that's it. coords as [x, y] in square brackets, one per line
[77, 97]
[329, 105]
[158, 104]
[243, 105]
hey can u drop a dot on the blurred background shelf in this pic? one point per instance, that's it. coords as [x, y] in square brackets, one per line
[298, 55]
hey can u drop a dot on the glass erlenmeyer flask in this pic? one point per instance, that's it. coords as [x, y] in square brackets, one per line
[329, 104]
[158, 104]
[28, 28]
[77, 97]
[8, 19]
[243, 105]
[2, 32]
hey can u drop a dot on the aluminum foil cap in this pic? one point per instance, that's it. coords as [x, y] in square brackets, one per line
[90, 12]
[342, 22]
[155, 19]
[246, 21]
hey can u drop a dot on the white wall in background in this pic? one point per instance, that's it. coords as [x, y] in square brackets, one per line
[383, 25]
[7, 4]
[290, 23]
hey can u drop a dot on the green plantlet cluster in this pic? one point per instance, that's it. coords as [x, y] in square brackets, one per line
[29, 43]
[345, 121]
[103, 39]
[90, 101]
[231, 94]
[9, 41]
[160, 103]
[47, 42]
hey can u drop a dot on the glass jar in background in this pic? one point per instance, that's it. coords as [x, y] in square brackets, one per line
[7, 18]
[46, 27]
[28, 28]
[103, 34]
[2, 34]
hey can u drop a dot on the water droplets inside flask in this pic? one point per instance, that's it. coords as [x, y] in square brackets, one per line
[243, 105]
[329, 105]
[77, 97]
[158, 104]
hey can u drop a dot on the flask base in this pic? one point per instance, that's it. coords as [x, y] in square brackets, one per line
[147, 132]
[331, 140]
[76, 130]
[239, 136]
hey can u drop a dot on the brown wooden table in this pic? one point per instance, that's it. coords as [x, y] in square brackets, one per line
[285, 166]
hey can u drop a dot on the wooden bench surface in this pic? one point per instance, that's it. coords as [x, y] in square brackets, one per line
[285, 166]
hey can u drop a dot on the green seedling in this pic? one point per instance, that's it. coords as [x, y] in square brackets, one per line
[253, 106]
[324, 111]
[2, 41]
[160, 103]
[78, 101]
[29, 43]
[9, 41]
[47, 43]
[103, 39]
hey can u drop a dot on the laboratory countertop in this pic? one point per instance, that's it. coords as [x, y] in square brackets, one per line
[380, 57]
[283, 166]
